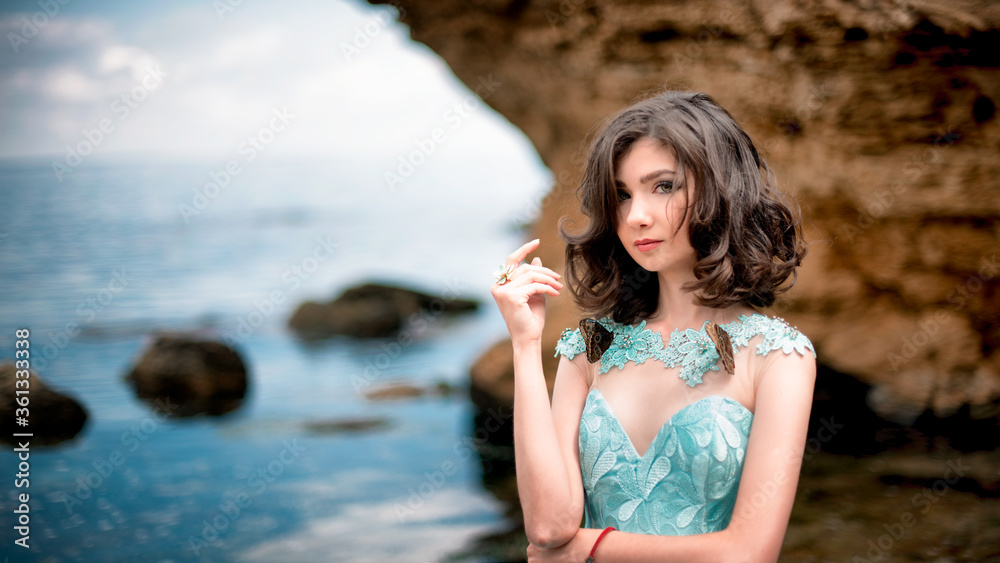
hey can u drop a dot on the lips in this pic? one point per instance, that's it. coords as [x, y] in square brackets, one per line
[647, 244]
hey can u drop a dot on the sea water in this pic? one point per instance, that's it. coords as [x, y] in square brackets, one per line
[114, 249]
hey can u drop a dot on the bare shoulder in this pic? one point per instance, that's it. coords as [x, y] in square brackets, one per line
[576, 366]
[782, 354]
[572, 347]
[798, 369]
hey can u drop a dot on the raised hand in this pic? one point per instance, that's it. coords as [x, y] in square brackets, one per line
[521, 297]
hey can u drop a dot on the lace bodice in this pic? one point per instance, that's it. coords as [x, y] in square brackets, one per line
[687, 480]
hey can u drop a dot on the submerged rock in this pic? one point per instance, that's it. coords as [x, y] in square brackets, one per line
[52, 416]
[347, 425]
[405, 390]
[200, 377]
[373, 310]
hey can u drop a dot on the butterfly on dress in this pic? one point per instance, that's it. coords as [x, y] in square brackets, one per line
[597, 338]
[723, 345]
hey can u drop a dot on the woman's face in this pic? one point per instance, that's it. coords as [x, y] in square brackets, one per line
[650, 209]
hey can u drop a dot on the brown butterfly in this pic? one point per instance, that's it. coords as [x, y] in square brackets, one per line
[596, 337]
[722, 345]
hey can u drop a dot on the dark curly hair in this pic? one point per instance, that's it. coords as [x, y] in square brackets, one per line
[746, 234]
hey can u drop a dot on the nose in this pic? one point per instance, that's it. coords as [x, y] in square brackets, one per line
[638, 214]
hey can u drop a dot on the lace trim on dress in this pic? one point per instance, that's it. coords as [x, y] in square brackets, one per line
[691, 350]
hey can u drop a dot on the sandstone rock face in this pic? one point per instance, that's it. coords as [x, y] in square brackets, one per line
[372, 310]
[880, 116]
[181, 375]
[52, 417]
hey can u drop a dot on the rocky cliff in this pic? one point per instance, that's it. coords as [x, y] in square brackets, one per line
[880, 116]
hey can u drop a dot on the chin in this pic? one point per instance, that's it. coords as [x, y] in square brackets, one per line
[657, 265]
[652, 265]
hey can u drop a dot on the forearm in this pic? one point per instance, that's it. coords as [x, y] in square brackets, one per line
[716, 547]
[551, 510]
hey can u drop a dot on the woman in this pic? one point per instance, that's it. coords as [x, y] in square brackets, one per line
[678, 417]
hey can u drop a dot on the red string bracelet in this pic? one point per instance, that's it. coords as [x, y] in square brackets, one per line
[593, 550]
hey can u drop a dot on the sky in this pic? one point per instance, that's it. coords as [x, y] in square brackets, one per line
[201, 77]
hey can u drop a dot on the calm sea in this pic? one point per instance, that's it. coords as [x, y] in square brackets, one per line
[256, 484]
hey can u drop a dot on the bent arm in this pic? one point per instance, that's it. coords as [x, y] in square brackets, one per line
[767, 485]
[545, 447]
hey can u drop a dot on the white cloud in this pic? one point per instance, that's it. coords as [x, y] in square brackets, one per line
[66, 31]
[349, 73]
[70, 85]
[117, 57]
[248, 50]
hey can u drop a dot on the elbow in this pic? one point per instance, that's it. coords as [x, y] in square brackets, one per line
[553, 524]
[550, 537]
[555, 530]
[758, 548]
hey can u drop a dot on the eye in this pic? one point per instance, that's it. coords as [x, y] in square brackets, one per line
[664, 187]
[622, 195]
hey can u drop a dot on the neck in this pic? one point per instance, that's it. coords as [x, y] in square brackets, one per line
[679, 308]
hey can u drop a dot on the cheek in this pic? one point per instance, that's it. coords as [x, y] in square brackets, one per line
[620, 220]
[675, 214]
[622, 234]
[671, 216]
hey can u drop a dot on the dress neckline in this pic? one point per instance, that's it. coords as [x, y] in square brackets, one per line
[690, 349]
[595, 392]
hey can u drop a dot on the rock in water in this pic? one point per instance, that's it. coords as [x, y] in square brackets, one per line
[52, 417]
[491, 377]
[193, 376]
[371, 311]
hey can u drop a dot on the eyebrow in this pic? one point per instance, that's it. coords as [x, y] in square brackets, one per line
[654, 175]
[648, 177]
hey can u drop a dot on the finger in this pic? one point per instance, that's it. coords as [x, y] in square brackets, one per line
[528, 276]
[521, 253]
[542, 269]
[536, 262]
[536, 288]
[524, 286]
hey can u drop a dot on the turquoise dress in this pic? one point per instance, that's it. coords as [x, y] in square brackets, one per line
[686, 482]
